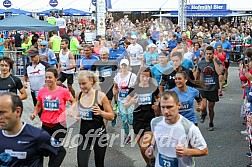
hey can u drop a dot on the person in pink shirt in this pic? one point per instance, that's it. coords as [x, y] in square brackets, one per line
[52, 100]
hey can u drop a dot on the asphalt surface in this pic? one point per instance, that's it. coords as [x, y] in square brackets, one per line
[227, 147]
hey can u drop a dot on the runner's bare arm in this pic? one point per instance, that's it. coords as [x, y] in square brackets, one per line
[36, 110]
[192, 152]
[23, 94]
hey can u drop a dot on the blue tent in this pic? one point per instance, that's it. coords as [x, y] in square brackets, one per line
[66, 12]
[47, 12]
[213, 13]
[23, 22]
[75, 12]
[13, 11]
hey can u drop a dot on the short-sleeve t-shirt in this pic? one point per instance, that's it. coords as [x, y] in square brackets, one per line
[187, 99]
[51, 20]
[106, 71]
[74, 45]
[26, 148]
[53, 105]
[168, 77]
[168, 136]
[157, 71]
[146, 97]
[150, 57]
[56, 41]
[208, 75]
[10, 84]
[86, 63]
[124, 84]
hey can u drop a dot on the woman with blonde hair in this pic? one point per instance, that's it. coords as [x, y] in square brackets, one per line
[93, 107]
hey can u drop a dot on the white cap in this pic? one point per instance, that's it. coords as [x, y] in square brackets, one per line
[124, 61]
[152, 45]
[133, 36]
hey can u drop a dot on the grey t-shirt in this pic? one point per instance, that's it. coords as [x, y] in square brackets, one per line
[209, 75]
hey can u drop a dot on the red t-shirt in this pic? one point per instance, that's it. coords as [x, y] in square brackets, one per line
[222, 57]
[53, 105]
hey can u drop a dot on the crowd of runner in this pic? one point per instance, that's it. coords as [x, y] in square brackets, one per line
[148, 73]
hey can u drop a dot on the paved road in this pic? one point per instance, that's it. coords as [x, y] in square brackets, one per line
[227, 147]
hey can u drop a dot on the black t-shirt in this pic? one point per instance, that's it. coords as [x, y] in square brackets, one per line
[18, 40]
[10, 84]
[107, 72]
[168, 77]
[146, 97]
[27, 148]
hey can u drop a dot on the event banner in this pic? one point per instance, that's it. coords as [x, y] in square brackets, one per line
[101, 11]
[207, 7]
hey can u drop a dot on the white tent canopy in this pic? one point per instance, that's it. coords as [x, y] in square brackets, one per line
[41, 5]
[168, 5]
[125, 5]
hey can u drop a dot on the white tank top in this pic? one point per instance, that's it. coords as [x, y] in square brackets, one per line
[65, 62]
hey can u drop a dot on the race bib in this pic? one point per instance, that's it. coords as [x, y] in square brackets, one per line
[144, 99]
[51, 105]
[123, 93]
[133, 57]
[106, 72]
[86, 113]
[185, 106]
[165, 161]
[209, 80]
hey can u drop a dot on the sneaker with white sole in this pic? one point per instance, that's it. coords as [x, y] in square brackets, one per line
[211, 127]
[244, 132]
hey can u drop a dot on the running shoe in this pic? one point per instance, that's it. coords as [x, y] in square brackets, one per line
[211, 127]
[127, 140]
[225, 85]
[244, 132]
[249, 165]
[248, 155]
[115, 107]
[202, 118]
[220, 93]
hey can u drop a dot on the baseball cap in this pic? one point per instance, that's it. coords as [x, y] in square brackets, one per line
[174, 35]
[43, 42]
[217, 35]
[33, 52]
[115, 40]
[152, 45]
[124, 61]
[133, 36]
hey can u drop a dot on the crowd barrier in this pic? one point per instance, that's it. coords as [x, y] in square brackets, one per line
[238, 49]
[19, 62]
[18, 69]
